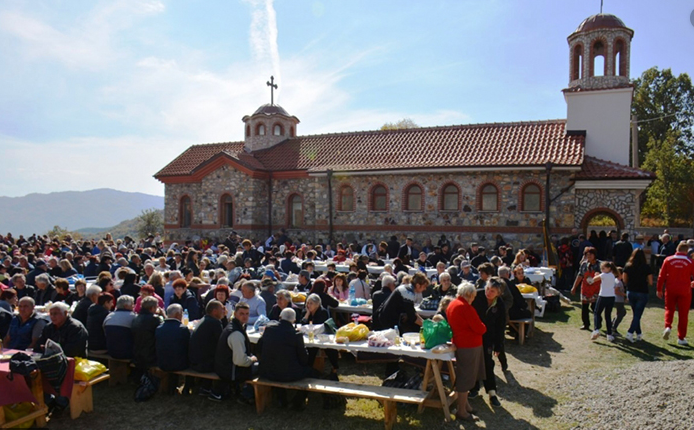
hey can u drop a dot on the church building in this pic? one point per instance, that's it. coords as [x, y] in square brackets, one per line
[470, 182]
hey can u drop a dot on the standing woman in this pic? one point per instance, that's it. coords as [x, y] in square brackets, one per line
[637, 278]
[467, 337]
[589, 291]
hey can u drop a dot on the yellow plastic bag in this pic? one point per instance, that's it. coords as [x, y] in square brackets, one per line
[17, 411]
[298, 297]
[86, 370]
[526, 289]
[353, 332]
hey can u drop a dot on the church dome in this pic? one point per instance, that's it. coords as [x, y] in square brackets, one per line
[270, 109]
[600, 21]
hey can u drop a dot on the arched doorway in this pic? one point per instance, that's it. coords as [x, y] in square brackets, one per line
[602, 218]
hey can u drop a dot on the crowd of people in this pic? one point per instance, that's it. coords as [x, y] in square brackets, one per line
[134, 299]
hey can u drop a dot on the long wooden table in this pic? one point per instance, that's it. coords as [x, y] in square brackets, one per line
[437, 395]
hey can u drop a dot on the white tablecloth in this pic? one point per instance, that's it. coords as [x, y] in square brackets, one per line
[363, 346]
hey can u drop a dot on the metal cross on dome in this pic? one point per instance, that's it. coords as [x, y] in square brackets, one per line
[273, 86]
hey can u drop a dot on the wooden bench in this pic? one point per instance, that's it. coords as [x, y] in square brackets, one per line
[82, 399]
[387, 396]
[40, 409]
[520, 327]
[117, 367]
[164, 384]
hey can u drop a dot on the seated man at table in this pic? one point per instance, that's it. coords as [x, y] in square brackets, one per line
[203, 343]
[233, 361]
[283, 355]
[25, 328]
[118, 328]
[468, 273]
[399, 309]
[172, 340]
[66, 331]
[144, 328]
[91, 296]
[247, 294]
[284, 300]
[380, 297]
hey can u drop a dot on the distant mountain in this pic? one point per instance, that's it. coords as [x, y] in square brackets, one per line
[124, 228]
[74, 210]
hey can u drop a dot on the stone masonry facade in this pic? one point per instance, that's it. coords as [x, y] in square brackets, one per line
[468, 223]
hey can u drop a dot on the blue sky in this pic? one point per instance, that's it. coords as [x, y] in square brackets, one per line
[104, 94]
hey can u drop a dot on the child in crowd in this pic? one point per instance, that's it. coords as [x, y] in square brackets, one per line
[606, 298]
[619, 299]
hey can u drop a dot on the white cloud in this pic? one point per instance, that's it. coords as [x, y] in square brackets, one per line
[164, 105]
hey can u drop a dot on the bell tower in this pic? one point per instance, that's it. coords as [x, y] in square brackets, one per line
[599, 94]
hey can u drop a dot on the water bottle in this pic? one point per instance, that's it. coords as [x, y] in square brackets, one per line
[352, 293]
[397, 336]
[185, 317]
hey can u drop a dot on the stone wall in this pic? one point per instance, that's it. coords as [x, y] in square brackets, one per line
[621, 202]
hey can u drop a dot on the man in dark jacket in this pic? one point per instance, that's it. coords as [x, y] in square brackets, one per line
[398, 309]
[490, 309]
[380, 297]
[118, 328]
[20, 285]
[621, 251]
[144, 328]
[172, 339]
[95, 322]
[66, 331]
[287, 265]
[234, 362]
[91, 295]
[203, 343]
[45, 292]
[393, 247]
[283, 356]
[39, 268]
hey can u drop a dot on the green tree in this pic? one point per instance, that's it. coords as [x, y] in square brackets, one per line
[663, 102]
[149, 222]
[671, 196]
[62, 233]
[403, 123]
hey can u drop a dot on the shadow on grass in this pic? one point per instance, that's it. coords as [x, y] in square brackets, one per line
[535, 350]
[540, 403]
[648, 351]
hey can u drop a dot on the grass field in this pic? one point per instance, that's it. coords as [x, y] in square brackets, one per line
[531, 392]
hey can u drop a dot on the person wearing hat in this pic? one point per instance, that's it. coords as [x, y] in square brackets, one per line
[638, 244]
[39, 268]
[267, 290]
[467, 273]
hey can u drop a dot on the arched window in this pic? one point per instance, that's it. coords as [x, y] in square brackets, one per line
[620, 64]
[598, 64]
[277, 130]
[226, 208]
[577, 63]
[346, 202]
[490, 198]
[379, 198]
[296, 211]
[186, 206]
[260, 131]
[414, 198]
[450, 199]
[531, 198]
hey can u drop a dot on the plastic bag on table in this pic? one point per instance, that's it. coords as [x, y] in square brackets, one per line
[315, 328]
[86, 370]
[260, 322]
[436, 333]
[353, 332]
[387, 333]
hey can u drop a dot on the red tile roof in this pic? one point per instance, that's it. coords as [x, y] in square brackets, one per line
[595, 168]
[478, 145]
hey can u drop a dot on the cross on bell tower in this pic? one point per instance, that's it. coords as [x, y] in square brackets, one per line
[273, 86]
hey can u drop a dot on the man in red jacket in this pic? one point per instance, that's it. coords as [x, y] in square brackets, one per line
[676, 274]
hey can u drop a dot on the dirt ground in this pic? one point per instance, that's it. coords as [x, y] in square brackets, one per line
[539, 382]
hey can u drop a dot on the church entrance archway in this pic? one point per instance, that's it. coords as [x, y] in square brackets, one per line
[602, 217]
